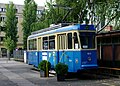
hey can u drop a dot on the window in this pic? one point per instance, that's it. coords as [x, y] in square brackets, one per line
[2, 28]
[0, 9]
[1, 39]
[2, 19]
[87, 40]
[17, 19]
[4, 51]
[3, 9]
[52, 42]
[16, 10]
[76, 44]
[39, 44]
[49, 42]
[38, 11]
[45, 43]
[61, 41]
[33, 44]
[69, 35]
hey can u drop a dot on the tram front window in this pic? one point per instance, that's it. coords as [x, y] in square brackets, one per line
[87, 40]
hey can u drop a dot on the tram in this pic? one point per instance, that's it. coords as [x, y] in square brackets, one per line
[74, 45]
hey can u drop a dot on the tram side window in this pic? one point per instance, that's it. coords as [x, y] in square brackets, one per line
[76, 44]
[61, 41]
[52, 42]
[69, 35]
[33, 44]
[45, 43]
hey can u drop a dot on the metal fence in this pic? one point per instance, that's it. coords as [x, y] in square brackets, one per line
[18, 55]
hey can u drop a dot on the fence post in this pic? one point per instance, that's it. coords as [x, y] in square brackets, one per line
[25, 56]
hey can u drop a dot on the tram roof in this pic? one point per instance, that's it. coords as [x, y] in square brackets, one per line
[64, 29]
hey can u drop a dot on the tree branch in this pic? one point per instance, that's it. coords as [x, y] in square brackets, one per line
[106, 24]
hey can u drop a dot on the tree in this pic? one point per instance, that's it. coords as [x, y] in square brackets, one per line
[60, 11]
[83, 11]
[9, 44]
[105, 12]
[10, 27]
[29, 17]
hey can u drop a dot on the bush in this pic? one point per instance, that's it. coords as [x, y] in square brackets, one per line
[61, 69]
[44, 64]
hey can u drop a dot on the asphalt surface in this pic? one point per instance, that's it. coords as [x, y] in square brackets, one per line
[13, 73]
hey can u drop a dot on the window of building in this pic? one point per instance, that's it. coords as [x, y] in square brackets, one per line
[4, 52]
[2, 19]
[17, 19]
[3, 9]
[16, 10]
[69, 35]
[0, 9]
[1, 39]
[38, 11]
[2, 28]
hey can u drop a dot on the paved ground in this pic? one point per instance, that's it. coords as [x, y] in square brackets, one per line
[14, 73]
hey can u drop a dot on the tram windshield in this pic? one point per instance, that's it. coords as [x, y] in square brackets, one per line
[87, 40]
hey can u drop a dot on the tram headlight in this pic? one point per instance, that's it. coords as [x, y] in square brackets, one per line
[89, 59]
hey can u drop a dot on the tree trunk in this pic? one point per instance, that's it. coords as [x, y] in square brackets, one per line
[8, 54]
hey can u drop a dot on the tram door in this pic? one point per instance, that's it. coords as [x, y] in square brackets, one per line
[65, 56]
[69, 54]
[61, 46]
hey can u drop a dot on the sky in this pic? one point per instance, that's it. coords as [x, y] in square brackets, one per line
[21, 2]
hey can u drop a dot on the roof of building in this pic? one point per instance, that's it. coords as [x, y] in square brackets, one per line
[109, 33]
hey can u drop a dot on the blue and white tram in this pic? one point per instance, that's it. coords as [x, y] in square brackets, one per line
[74, 45]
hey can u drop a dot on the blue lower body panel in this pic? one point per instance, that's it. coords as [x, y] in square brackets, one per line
[33, 58]
[79, 60]
[51, 56]
[71, 58]
[76, 60]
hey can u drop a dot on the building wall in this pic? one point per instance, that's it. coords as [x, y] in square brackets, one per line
[109, 49]
[20, 19]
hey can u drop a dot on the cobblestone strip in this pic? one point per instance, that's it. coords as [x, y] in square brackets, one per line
[20, 81]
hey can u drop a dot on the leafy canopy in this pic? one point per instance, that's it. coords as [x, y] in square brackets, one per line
[80, 11]
[10, 27]
[29, 17]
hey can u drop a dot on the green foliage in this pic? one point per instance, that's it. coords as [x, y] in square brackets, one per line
[10, 27]
[95, 12]
[29, 17]
[9, 44]
[61, 68]
[107, 11]
[64, 11]
[44, 65]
